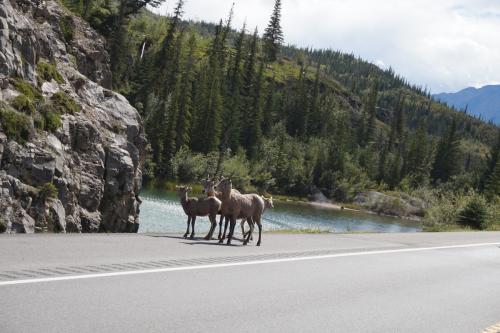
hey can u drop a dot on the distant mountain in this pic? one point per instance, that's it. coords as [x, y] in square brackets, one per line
[484, 102]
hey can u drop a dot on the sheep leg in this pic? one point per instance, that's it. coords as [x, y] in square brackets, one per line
[220, 226]
[187, 231]
[231, 230]
[193, 219]
[259, 224]
[225, 230]
[213, 224]
[249, 234]
[242, 225]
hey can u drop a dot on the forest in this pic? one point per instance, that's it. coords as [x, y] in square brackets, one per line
[276, 118]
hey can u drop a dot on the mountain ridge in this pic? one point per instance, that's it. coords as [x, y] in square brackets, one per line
[482, 102]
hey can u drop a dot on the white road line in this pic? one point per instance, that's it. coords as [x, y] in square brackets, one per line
[245, 263]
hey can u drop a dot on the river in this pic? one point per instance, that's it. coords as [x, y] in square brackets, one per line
[161, 212]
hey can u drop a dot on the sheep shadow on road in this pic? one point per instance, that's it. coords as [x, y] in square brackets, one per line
[199, 240]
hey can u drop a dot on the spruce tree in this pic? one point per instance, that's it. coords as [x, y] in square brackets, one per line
[445, 162]
[493, 160]
[185, 107]
[273, 35]
[493, 184]
[314, 118]
[232, 122]
[418, 162]
[249, 81]
[371, 111]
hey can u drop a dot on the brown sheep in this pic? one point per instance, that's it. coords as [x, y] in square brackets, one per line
[268, 203]
[209, 190]
[240, 206]
[194, 207]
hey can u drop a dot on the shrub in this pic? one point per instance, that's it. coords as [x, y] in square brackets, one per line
[48, 191]
[47, 72]
[62, 103]
[17, 126]
[23, 104]
[188, 166]
[51, 121]
[474, 214]
[66, 27]
[3, 225]
[26, 89]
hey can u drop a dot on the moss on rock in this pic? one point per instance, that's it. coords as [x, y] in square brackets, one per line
[23, 104]
[62, 103]
[16, 125]
[47, 71]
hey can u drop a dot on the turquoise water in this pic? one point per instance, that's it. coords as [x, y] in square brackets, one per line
[161, 212]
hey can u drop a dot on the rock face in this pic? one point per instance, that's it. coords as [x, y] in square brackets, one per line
[94, 158]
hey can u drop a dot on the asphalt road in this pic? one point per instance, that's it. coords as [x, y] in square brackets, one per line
[424, 282]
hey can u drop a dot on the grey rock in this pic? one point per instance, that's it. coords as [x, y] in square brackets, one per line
[95, 158]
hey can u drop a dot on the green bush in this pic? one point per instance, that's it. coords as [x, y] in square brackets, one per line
[474, 214]
[3, 225]
[23, 104]
[63, 104]
[66, 27]
[51, 121]
[48, 191]
[16, 125]
[26, 89]
[47, 72]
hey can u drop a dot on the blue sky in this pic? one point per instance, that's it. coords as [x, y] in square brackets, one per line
[446, 45]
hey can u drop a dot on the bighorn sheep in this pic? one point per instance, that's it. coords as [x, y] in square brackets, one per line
[209, 190]
[240, 206]
[194, 207]
[268, 203]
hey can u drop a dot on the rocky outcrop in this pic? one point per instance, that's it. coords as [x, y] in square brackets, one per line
[94, 159]
[400, 206]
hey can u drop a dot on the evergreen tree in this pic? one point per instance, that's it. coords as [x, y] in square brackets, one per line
[185, 107]
[371, 111]
[446, 160]
[493, 159]
[314, 118]
[232, 126]
[418, 162]
[493, 183]
[273, 35]
[249, 81]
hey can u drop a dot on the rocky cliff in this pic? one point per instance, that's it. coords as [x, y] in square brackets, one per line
[71, 150]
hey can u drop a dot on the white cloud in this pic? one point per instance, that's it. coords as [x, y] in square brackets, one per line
[446, 44]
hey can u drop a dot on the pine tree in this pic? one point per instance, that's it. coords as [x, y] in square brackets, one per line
[270, 111]
[418, 162]
[249, 80]
[210, 117]
[371, 111]
[492, 188]
[185, 107]
[273, 35]
[314, 118]
[254, 126]
[493, 159]
[396, 134]
[166, 68]
[445, 162]
[232, 126]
